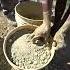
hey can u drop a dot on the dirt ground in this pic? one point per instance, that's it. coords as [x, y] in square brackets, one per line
[4, 28]
[59, 62]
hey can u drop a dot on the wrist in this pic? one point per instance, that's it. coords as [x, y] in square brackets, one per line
[46, 25]
[46, 16]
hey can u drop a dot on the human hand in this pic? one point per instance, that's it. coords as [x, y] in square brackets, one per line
[58, 40]
[41, 33]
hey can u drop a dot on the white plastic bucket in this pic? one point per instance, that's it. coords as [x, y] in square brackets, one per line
[7, 45]
[28, 12]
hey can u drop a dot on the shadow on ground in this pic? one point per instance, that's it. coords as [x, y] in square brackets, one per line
[62, 56]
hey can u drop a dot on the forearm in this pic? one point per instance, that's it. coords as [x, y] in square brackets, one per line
[47, 6]
[43, 31]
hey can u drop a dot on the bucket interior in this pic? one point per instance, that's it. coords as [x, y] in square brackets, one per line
[31, 10]
[14, 35]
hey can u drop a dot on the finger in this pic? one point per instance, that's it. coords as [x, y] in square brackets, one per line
[54, 44]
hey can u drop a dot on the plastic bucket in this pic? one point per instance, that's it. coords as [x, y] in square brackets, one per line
[28, 12]
[11, 35]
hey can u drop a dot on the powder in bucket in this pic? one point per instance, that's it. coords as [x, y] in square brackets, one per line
[27, 55]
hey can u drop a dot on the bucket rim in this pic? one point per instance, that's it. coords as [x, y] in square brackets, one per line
[14, 65]
[23, 16]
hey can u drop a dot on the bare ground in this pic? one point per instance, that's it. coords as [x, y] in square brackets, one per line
[4, 28]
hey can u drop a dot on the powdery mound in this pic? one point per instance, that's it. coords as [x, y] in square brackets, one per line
[27, 55]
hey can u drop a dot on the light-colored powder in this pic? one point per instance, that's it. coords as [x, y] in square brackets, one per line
[27, 55]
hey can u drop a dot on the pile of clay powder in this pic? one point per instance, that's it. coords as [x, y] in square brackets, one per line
[27, 55]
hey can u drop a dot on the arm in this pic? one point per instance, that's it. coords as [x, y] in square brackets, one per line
[43, 31]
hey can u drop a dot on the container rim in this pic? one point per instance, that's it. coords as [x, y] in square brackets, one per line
[11, 63]
[23, 16]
